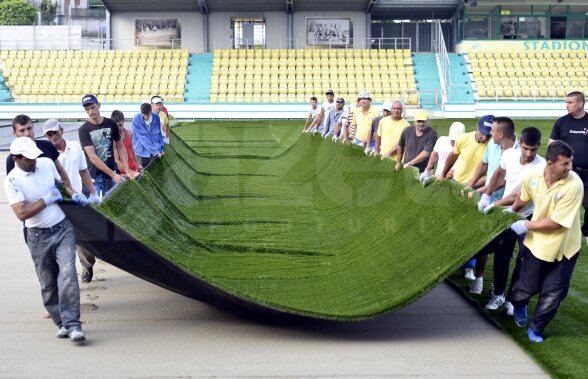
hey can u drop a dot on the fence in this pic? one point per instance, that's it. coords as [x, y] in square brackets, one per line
[77, 43]
[365, 43]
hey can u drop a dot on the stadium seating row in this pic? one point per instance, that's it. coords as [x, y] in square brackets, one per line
[105, 73]
[103, 98]
[308, 53]
[527, 54]
[298, 73]
[87, 54]
[276, 97]
[526, 74]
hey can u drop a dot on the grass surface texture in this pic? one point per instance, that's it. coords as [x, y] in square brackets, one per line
[299, 224]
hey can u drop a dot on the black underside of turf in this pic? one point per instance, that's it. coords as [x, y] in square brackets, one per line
[110, 243]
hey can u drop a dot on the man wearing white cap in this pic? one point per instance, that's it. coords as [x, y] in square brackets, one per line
[363, 117]
[443, 147]
[157, 105]
[71, 157]
[416, 142]
[389, 131]
[32, 194]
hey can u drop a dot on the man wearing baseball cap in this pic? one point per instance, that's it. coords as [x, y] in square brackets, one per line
[416, 142]
[157, 107]
[470, 147]
[32, 194]
[363, 117]
[335, 120]
[443, 147]
[326, 107]
[389, 130]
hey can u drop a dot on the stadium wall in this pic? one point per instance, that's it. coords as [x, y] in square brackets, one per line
[219, 32]
[122, 28]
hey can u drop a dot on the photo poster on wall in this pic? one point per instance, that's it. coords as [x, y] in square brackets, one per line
[158, 32]
[331, 32]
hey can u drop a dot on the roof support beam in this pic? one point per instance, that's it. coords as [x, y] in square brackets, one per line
[203, 6]
[370, 6]
[289, 6]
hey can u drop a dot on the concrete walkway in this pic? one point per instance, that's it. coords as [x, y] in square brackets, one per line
[135, 329]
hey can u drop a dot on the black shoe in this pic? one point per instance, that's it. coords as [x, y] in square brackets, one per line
[87, 274]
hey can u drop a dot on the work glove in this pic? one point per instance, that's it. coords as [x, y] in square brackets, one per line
[53, 196]
[80, 199]
[508, 210]
[519, 227]
[367, 150]
[335, 138]
[424, 176]
[94, 199]
[485, 200]
[488, 207]
[166, 141]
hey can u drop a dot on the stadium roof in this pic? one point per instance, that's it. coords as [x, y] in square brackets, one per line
[392, 8]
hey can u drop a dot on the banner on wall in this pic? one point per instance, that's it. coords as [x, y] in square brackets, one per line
[333, 32]
[158, 32]
[465, 46]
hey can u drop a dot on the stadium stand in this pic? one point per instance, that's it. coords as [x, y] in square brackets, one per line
[294, 75]
[113, 75]
[528, 75]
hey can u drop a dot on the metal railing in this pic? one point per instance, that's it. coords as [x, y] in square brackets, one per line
[365, 43]
[78, 43]
[387, 43]
[534, 94]
[442, 57]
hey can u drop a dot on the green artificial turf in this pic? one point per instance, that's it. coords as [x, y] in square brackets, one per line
[299, 224]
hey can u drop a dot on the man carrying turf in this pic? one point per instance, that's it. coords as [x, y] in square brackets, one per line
[553, 240]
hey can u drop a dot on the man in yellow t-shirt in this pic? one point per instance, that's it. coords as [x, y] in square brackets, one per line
[470, 147]
[553, 238]
[157, 106]
[363, 117]
[389, 131]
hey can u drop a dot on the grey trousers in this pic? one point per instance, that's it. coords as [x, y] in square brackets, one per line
[54, 254]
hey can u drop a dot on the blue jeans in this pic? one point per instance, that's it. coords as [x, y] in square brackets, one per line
[359, 142]
[102, 184]
[54, 254]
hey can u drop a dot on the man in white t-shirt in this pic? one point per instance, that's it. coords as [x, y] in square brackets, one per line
[32, 193]
[71, 157]
[312, 114]
[73, 160]
[443, 147]
[515, 163]
[326, 107]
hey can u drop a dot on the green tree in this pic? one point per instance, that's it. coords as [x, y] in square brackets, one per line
[48, 10]
[16, 12]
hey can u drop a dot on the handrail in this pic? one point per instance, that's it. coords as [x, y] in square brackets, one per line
[75, 42]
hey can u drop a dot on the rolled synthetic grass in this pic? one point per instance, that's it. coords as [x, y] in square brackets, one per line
[299, 224]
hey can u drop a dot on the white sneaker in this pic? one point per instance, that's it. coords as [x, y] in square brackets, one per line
[509, 308]
[62, 332]
[469, 274]
[477, 286]
[496, 302]
[77, 335]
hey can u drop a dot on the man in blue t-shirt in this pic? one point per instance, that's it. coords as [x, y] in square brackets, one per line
[573, 130]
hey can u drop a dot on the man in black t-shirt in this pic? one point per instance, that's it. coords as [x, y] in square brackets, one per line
[98, 137]
[416, 143]
[573, 129]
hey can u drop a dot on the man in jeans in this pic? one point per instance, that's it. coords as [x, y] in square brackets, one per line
[553, 240]
[32, 194]
[99, 136]
[147, 138]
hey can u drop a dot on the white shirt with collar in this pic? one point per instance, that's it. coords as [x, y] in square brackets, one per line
[73, 161]
[22, 186]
